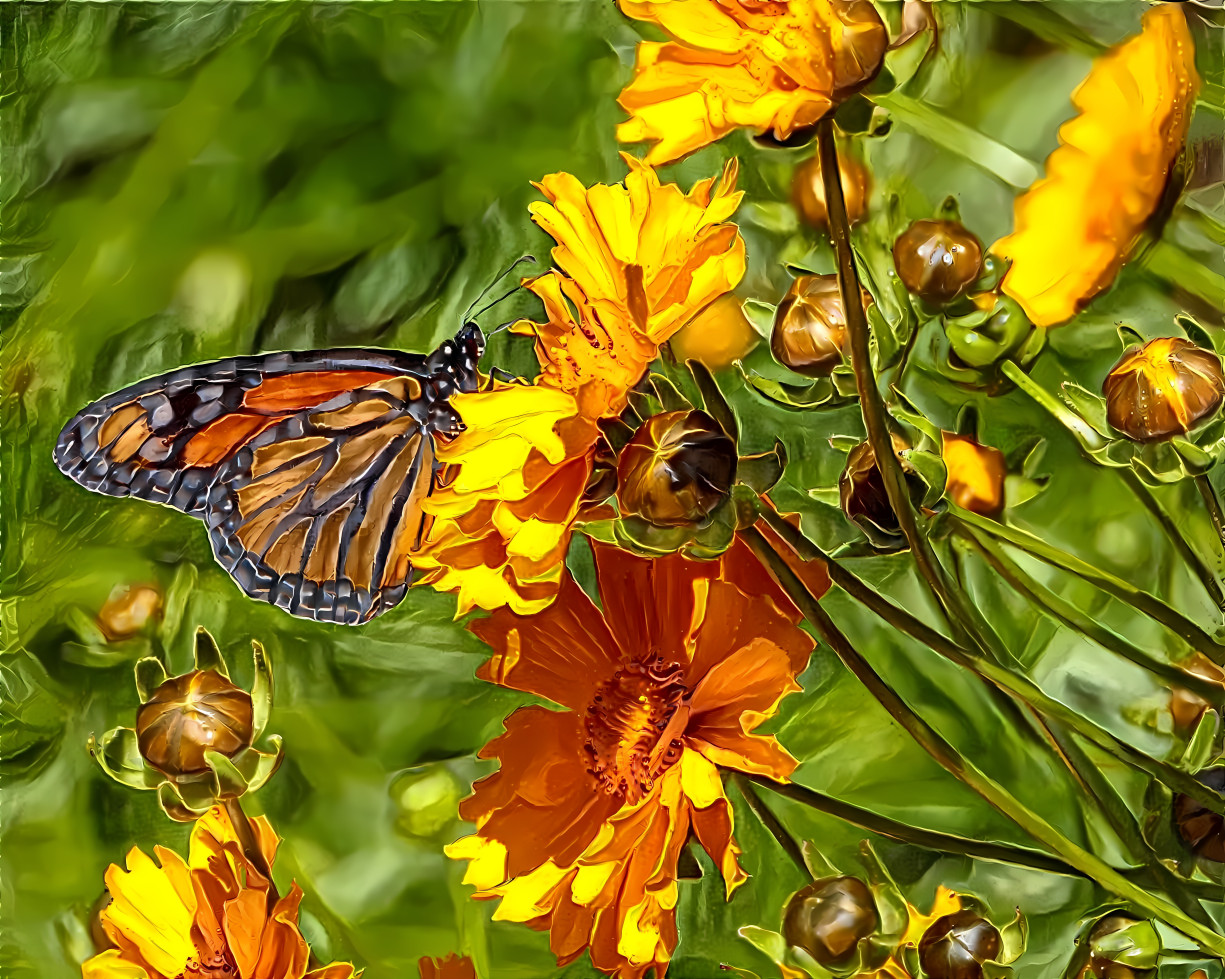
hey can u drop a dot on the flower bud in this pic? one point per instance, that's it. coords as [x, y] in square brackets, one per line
[719, 335]
[1163, 388]
[1121, 947]
[809, 334]
[190, 714]
[975, 480]
[1200, 828]
[829, 918]
[862, 494]
[859, 46]
[937, 260]
[127, 610]
[808, 190]
[957, 945]
[426, 798]
[1187, 707]
[676, 469]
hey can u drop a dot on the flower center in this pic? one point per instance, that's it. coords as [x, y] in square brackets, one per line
[628, 735]
[217, 964]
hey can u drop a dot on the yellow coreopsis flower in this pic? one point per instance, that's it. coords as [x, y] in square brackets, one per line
[635, 263]
[774, 66]
[209, 916]
[1076, 226]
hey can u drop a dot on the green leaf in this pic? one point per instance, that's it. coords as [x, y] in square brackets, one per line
[207, 654]
[150, 674]
[261, 690]
[118, 754]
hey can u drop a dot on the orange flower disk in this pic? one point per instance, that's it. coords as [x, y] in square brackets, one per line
[774, 66]
[1076, 226]
[636, 262]
[208, 916]
[580, 830]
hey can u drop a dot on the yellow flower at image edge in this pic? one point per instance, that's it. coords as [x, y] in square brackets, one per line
[636, 262]
[1075, 227]
[774, 67]
[580, 830]
[207, 916]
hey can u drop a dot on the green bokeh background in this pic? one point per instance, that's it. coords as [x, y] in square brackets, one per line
[183, 182]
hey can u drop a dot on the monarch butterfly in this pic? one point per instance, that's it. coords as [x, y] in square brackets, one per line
[308, 468]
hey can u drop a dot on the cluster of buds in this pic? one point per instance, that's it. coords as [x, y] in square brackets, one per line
[681, 486]
[194, 738]
[844, 925]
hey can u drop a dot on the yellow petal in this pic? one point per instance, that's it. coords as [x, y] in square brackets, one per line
[700, 780]
[529, 895]
[148, 910]
[487, 866]
[111, 965]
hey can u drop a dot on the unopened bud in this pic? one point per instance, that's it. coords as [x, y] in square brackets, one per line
[190, 714]
[859, 44]
[1121, 947]
[127, 611]
[1163, 388]
[957, 945]
[809, 335]
[1202, 829]
[829, 918]
[808, 190]
[975, 479]
[937, 260]
[676, 469]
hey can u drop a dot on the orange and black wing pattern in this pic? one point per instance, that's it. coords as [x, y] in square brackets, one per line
[309, 469]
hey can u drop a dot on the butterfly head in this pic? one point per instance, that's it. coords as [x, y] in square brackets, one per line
[457, 359]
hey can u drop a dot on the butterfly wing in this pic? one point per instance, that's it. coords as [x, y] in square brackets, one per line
[309, 469]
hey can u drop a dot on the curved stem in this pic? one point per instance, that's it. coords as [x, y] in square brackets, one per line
[250, 848]
[949, 758]
[1014, 685]
[770, 821]
[928, 839]
[1069, 615]
[1139, 599]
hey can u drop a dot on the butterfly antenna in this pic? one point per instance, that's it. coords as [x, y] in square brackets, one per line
[470, 314]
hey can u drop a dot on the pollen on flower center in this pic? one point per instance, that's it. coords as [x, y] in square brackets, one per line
[210, 965]
[627, 722]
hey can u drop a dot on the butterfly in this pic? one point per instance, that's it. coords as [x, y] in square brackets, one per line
[309, 469]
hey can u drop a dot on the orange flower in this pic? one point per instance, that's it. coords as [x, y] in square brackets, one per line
[580, 831]
[636, 262]
[774, 66]
[452, 967]
[209, 916]
[1076, 226]
[975, 475]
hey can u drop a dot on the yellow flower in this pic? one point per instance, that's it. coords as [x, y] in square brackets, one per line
[975, 475]
[580, 830]
[636, 262]
[208, 916]
[776, 66]
[1075, 227]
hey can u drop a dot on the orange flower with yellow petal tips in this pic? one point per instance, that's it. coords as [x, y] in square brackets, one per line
[635, 263]
[452, 967]
[209, 916]
[1076, 226]
[773, 66]
[580, 830]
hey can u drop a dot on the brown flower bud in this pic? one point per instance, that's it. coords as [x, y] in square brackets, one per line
[676, 469]
[1200, 828]
[975, 480]
[861, 489]
[127, 610]
[828, 918]
[809, 334]
[1163, 388]
[859, 46]
[1186, 707]
[719, 335]
[808, 190]
[190, 714]
[956, 946]
[937, 260]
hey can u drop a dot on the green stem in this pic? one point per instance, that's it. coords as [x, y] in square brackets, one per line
[1069, 615]
[1014, 685]
[770, 821]
[1090, 442]
[1213, 503]
[1139, 599]
[250, 848]
[873, 822]
[872, 405]
[949, 758]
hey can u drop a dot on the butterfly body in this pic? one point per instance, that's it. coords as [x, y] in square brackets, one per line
[308, 468]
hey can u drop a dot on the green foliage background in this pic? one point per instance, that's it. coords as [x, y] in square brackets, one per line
[184, 181]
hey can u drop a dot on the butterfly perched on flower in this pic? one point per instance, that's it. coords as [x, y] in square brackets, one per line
[308, 468]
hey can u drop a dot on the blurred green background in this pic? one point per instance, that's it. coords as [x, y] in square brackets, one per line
[185, 181]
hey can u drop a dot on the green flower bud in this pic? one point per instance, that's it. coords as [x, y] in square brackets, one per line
[1123, 948]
